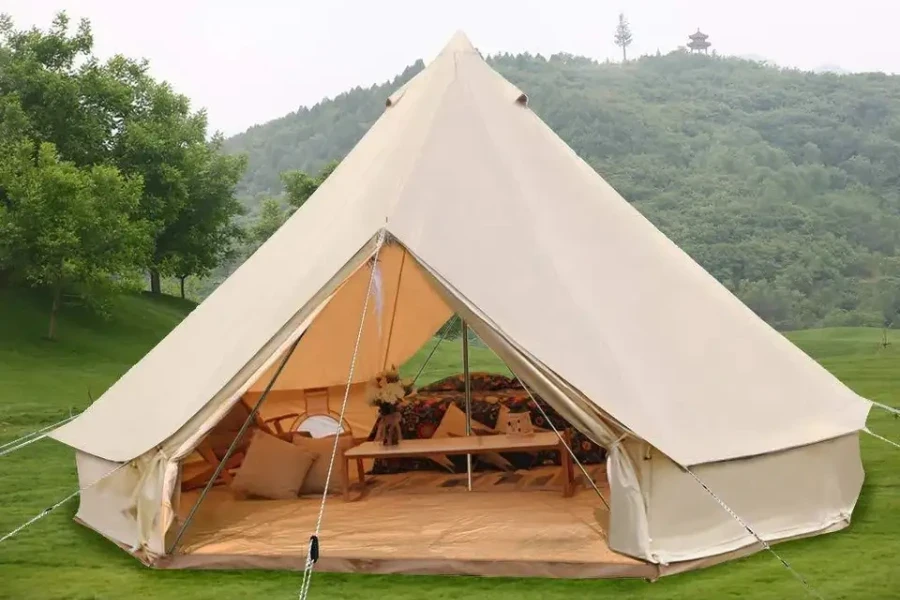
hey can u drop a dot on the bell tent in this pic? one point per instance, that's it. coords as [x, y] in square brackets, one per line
[461, 201]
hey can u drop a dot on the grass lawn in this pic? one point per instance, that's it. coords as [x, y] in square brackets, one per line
[55, 558]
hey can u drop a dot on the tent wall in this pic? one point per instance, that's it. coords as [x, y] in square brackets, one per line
[360, 416]
[403, 314]
[629, 527]
[163, 463]
[105, 507]
[794, 493]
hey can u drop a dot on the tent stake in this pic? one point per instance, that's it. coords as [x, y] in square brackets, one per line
[250, 418]
[468, 388]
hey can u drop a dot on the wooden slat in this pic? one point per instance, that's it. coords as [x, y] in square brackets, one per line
[457, 445]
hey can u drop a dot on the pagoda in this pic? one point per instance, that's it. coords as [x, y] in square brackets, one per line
[699, 42]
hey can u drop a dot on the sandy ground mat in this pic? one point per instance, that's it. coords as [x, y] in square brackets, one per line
[513, 524]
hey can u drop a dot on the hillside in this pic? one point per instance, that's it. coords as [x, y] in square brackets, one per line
[58, 559]
[785, 185]
[42, 380]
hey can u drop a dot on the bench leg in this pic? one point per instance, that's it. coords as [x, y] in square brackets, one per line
[567, 466]
[361, 472]
[345, 478]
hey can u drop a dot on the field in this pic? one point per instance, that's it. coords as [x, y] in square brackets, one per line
[55, 558]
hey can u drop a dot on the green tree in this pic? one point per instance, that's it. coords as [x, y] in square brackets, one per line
[205, 233]
[157, 143]
[299, 186]
[64, 226]
[271, 216]
[69, 98]
[13, 127]
[890, 307]
[623, 36]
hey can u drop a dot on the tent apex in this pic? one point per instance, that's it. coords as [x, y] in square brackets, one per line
[458, 43]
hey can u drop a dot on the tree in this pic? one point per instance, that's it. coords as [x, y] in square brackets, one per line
[157, 142]
[205, 233]
[13, 129]
[271, 217]
[299, 186]
[64, 226]
[623, 36]
[69, 98]
[103, 119]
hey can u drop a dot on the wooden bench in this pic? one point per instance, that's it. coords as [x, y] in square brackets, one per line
[480, 444]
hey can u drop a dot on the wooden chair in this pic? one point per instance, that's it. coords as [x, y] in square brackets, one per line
[317, 402]
[212, 450]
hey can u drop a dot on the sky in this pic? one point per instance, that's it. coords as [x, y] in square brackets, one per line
[247, 62]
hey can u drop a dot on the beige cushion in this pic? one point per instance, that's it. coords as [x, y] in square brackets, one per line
[272, 469]
[454, 425]
[502, 418]
[322, 447]
[502, 421]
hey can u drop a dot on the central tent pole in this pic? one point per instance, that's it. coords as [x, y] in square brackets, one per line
[468, 388]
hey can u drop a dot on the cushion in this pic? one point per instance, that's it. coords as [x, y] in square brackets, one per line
[424, 412]
[322, 448]
[272, 468]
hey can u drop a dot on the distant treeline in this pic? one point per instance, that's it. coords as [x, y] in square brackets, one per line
[785, 185]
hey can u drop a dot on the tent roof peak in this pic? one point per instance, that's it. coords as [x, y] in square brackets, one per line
[459, 43]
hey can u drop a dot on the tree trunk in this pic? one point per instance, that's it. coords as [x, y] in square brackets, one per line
[155, 287]
[183, 277]
[57, 297]
[624, 55]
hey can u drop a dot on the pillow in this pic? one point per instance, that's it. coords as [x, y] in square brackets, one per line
[272, 468]
[322, 448]
[454, 425]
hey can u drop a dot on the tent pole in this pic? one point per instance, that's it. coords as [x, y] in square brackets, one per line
[444, 331]
[243, 430]
[468, 388]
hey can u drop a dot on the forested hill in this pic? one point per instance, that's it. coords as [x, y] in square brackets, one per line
[785, 185]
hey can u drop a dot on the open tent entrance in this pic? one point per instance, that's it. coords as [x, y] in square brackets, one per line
[524, 509]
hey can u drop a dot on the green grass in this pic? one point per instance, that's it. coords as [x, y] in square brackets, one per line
[41, 381]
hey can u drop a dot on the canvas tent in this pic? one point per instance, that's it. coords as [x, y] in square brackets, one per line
[477, 208]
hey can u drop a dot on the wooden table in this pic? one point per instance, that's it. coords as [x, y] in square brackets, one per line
[475, 444]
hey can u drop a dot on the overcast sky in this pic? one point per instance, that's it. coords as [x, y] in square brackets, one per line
[249, 61]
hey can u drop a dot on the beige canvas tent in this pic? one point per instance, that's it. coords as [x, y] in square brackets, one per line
[475, 207]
